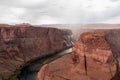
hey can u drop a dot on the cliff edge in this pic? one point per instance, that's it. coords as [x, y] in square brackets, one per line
[22, 43]
[91, 59]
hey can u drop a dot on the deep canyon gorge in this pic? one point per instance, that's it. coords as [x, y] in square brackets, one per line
[46, 53]
[22, 43]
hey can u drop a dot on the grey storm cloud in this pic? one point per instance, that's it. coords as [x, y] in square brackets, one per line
[59, 11]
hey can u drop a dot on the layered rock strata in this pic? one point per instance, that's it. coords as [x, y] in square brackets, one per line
[22, 43]
[91, 59]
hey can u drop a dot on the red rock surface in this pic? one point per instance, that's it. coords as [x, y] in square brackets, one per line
[21, 43]
[113, 38]
[91, 59]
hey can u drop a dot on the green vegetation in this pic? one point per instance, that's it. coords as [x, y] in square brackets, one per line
[42, 62]
[14, 76]
[46, 61]
[17, 72]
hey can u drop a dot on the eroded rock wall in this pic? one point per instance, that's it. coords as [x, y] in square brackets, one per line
[91, 59]
[113, 37]
[21, 43]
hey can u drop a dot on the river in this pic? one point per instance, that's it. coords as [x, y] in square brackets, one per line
[29, 72]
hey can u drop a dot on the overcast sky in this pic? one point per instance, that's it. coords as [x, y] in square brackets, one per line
[59, 11]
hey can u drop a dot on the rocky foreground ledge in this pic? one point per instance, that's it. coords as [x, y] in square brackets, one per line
[22, 43]
[91, 59]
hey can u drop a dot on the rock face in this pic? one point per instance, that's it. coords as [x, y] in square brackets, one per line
[95, 58]
[21, 43]
[113, 37]
[91, 59]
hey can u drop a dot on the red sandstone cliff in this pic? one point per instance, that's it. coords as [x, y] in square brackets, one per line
[21, 43]
[91, 59]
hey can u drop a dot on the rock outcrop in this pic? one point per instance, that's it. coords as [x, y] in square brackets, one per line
[91, 59]
[95, 58]
[22, 43]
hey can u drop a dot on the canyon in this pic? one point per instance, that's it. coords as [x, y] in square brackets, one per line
[35, 51]
[23, 43]
[93, 57]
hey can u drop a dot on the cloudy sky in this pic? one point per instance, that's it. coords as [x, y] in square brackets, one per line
[59, 11]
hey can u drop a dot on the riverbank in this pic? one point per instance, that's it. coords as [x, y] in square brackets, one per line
[22, 44]
[30, 69]
[91, 59]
